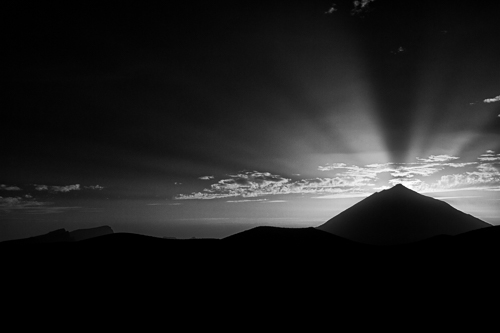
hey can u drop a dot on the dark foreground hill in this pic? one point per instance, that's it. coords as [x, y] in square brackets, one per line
[260, 244]
[264, 270]
[433, 245]
[62, 236]
[400, 216]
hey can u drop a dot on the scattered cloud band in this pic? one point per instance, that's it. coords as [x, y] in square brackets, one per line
[431, 174]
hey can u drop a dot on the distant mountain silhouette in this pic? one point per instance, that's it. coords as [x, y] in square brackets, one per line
[267, 237]
[273, 234]
[56, 236]
[82, 234]
[400, 216]
[63, 236]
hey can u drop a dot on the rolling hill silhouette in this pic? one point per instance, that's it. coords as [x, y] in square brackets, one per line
[83, 234]
[400, 216]
[63, 236]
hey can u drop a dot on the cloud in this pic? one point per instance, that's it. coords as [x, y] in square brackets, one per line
[360, 6]
[206, 177]
[13, 203]
[94, 187]
[256, 200]
[492, 100]
[29, 205]
[344, 195]
[438, 158]
[402, 172]
[487, 177]
[459, 197]
[164, 204]
[245, 184]
[255, 184]
[239, 201]
[489, 156]
[333, 166]
[485, 174]
[431, 174]
[332, 9]
[4, 187]
[399, 50]
[67, 188]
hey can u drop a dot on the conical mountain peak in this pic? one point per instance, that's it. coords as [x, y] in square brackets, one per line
[399, 215]
[399, 189]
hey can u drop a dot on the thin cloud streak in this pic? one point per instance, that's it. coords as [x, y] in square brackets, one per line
[256, 184]
[4, 187]
[206, 177]
[492, 100]
[29, 205]
[432, 174]
[66, 188]
[240, 201]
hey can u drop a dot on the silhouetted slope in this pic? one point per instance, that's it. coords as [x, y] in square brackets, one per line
[276, 235]
[56, 236]
[288, 249]
[399, 216]
[82, 234]
[62, 235]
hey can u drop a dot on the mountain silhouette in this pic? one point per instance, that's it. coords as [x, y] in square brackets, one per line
[56, 236]
[399, 216]
[63, 236]
[82, 234]
[268, 234]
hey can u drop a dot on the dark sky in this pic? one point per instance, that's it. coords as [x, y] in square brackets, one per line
[261, 99]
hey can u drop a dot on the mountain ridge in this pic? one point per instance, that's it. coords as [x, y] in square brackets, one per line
[400, 216]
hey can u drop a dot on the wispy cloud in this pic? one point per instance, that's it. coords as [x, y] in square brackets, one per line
[344, 195]
[489, 156]
[4, 187]
[459, 197]
[484, 176]
[438, 158]
[492, 100]
[164, 204]
[240, 201]
[94, 187]
[206, 177]
[360, 6]
[67, 188]
[18, 202]
[29, 205]
[431, 174]
[245, 184]
[255, 184]
[332, 9]
[369, 173]
[256, 200]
